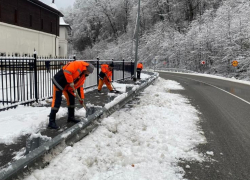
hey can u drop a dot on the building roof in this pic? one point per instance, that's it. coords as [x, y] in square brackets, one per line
[45, 6]
[62, 22]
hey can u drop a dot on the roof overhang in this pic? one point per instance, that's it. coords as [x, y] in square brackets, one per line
[67, 26]
[45, 6]
[62, 23]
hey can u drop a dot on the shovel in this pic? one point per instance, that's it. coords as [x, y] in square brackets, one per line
[89, 110]
[80, 99]
[115, 91]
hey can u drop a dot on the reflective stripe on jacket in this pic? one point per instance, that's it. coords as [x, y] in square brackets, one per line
[71, 73]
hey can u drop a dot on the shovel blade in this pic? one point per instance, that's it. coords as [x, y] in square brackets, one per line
[90, 111]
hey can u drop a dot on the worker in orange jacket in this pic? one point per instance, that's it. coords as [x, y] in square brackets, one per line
[69, 81]
[105, 76]
[139, 68]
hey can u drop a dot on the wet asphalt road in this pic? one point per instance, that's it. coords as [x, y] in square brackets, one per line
[225, 120]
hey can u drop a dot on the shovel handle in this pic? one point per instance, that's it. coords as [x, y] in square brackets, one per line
[77, 95]
[84, 106]
[110, 82]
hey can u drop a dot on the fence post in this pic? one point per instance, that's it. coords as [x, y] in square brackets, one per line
[35, 74]
[123, 66]
[132, 70]
[113, 70]
[97, 68]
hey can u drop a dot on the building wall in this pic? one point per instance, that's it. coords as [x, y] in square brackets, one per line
[26, 14]
[63, 43]
[63, 33]
[25, 26]
[63, 48]
[14, 39]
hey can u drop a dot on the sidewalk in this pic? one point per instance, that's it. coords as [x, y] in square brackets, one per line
[10, 153]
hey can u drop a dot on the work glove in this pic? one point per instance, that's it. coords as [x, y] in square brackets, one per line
[72, 85]
[82, 103]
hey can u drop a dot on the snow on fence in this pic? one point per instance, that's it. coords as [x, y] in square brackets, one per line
[25, 80]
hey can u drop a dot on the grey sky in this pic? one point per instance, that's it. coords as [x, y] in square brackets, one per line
[60, 3]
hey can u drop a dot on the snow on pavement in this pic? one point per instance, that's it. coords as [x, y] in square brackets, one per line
[143, 142]
[21, 121]
[24, 120]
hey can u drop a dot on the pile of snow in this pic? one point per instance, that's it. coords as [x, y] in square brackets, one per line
[24, 120]
[143, 142]
[144, 76]
[116, 100]
[120, 87]
[21, 121]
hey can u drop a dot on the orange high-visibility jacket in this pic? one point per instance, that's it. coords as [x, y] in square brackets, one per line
[71, 73]
[140, 66]
[105, 69]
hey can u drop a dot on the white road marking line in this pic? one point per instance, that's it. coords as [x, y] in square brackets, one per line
[219, 89]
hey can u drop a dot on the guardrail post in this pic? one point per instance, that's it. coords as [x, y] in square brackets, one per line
[35, 74]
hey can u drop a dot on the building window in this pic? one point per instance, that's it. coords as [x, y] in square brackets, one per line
[51, 27]
[41, 24]
[16, 18]
[30, 20]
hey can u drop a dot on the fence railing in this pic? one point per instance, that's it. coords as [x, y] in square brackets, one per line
[24, 80]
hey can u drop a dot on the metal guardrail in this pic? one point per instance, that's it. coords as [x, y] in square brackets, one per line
[35, 158]
[24, 80]
[176, 70]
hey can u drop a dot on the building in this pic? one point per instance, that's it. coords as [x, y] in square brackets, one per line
[64, 31]
[26, 25]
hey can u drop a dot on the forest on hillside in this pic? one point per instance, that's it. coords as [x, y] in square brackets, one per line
[173, 33]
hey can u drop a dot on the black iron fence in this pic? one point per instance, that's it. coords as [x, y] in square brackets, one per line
[25, 80]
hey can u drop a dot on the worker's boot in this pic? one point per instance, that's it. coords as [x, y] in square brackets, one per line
[71, 115]
[52, 120]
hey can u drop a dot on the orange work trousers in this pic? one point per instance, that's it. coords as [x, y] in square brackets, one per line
[102, 81]
[57, 98]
